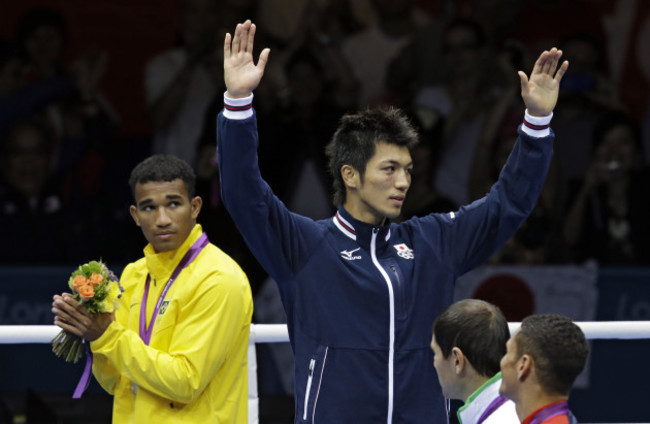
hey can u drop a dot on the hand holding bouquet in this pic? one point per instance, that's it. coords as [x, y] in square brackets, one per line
[95, 287]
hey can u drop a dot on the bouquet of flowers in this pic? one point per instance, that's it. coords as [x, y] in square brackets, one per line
[98, 289]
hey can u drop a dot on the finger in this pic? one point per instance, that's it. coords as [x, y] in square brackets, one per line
[236, 38]
[251, 38]
[554, 59]
[524, 82]
[560, 72]
[71, 310]
[264, 58]
[226, 46]
[69, 328]
[243, 38]
[547, 62]
[71, 302]
[66, 318]
[539, 63]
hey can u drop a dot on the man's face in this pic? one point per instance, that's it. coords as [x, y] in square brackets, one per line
[45, 46]
[165, 213]
[11, 76]
[382, 190]
[445, 370]
[509, 380]
[26, 164]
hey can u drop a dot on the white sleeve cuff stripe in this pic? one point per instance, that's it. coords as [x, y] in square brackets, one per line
[537, 126]
[238, 108]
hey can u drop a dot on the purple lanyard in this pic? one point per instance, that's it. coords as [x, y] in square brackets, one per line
[145, 333]
[553, 410]
[496, 403]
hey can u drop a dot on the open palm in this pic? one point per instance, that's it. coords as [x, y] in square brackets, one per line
[241, 74]
[540, 91]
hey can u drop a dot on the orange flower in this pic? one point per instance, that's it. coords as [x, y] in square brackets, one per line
[78, 282]
[86, 292]
[95, 279]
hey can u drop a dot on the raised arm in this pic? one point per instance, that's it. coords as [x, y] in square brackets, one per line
[241, 74]
[540, 91]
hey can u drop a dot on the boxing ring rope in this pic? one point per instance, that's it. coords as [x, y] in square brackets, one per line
[277, 333]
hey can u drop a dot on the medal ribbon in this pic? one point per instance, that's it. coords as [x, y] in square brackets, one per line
[82, 385]
[496, 403]
[195, 249]
[551, 411]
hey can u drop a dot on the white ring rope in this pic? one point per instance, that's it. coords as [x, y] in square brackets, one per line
[277, 333]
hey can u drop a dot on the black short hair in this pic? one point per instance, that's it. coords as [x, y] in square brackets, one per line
[558, 347]
[478, 328]
[39, 18]
[474, 26]
[159, 168]
[355, 140]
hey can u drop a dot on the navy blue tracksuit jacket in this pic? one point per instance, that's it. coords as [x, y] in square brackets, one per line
[360, 300]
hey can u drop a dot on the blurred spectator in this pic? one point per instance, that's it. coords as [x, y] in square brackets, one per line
[79, 120]
[42, 34]
[31, 215]
[568, 16]
[321, 29]
[608, 214]
[470, 86]
[311, 113]
[180, 83]
[12, 67]
[586, 91]
[628, 44]
[500, 18]
[370, 51]
[417, 64]
[19, 100]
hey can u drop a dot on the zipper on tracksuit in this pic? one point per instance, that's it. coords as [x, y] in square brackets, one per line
[400, 292]
[391, 344]
[312, 365]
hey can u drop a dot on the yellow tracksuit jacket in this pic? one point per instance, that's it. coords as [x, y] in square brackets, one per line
[195, 369]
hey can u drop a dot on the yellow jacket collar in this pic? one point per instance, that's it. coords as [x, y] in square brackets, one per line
[161, 265]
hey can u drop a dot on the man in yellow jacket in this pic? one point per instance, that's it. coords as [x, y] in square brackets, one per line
[176, 349]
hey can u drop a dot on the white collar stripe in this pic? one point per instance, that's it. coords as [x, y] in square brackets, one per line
[343, 229]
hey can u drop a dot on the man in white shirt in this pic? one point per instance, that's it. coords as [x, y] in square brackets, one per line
[469, 340]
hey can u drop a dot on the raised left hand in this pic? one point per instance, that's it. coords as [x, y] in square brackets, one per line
[540, 91]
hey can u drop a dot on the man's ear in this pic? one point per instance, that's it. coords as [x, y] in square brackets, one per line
[525, 367]
[459, 359]
[350, 176]
[196, 204]
[134, 215]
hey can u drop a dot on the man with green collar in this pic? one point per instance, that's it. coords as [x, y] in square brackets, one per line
[469, 340]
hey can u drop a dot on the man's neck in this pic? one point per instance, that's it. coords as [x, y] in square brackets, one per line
[363, 215]
[535, 399]
[474, 384]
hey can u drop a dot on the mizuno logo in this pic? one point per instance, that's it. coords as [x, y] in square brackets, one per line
[347, 254]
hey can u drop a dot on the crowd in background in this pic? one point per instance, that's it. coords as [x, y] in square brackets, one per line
[452, 66]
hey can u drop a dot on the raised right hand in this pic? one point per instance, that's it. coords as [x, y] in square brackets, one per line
[241, 75]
